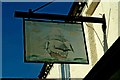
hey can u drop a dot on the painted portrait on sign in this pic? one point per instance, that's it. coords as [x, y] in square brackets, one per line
[54, 42]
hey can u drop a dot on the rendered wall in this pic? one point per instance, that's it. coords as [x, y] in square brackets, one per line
[110, 9]
[119, 18]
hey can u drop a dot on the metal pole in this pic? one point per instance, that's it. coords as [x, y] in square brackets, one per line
[62, 71]
[104, 34]
[67, 67]
[65, 71]
[105, 43]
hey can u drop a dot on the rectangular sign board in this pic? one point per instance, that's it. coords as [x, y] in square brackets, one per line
[54, 42]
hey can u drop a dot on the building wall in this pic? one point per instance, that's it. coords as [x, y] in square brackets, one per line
[55, 71]
[119, 18]
[94, 44]
[110, 9]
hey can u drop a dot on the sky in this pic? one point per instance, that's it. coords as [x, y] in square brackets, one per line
[13, 65]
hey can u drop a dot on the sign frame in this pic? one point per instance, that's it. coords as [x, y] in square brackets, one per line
[51, 21]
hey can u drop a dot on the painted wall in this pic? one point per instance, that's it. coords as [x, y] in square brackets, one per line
[55, 71]
[110, 9]
[119, 18]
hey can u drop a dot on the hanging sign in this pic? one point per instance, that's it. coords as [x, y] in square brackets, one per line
[54, 42]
